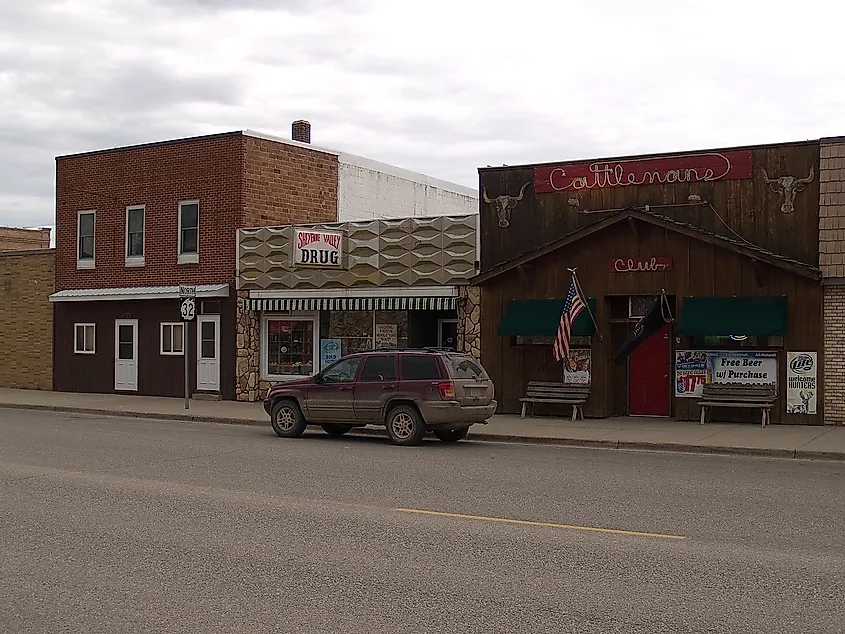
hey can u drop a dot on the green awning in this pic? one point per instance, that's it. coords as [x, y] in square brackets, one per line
[724, 316]
[541, 317]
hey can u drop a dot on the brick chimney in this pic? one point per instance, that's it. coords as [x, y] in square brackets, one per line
[301, 131]
[45, 237]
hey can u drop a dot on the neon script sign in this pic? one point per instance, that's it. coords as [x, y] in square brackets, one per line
[688, 168]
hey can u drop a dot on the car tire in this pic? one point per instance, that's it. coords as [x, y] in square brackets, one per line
[287, 420]
[451, 435]
[333, 429]
[405, 426]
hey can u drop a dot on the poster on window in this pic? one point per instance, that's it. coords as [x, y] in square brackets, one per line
[690, 373]
[801, 382]
[329, 352]
[387, 335]
[746, 368]
[577, 368]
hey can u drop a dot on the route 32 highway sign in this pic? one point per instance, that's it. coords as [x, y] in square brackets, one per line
[188, 308]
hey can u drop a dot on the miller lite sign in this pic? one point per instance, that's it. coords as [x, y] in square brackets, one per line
[317, 248]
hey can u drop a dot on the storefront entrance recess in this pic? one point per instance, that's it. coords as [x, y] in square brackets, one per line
[648, 383]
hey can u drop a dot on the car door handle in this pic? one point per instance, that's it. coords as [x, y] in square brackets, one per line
[345, 389]
[389, 387]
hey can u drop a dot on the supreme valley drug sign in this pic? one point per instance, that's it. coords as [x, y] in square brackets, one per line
[665, 170]
[317, 248]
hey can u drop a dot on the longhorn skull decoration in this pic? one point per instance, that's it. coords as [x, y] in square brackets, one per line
[504, 205]
[788, 187]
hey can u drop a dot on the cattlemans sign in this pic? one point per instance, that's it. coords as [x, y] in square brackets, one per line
[317, 248]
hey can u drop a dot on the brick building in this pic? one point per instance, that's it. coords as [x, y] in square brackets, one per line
[15, 239]
[133, 223]
[26, 319]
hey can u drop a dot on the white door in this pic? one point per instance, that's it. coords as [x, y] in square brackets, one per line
[126, 355]
[208, 353]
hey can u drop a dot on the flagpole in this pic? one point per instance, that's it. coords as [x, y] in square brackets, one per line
[584, 301]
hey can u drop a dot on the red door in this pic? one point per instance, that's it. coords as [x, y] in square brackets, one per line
[649, 376]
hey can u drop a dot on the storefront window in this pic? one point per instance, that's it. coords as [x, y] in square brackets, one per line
[289, 346]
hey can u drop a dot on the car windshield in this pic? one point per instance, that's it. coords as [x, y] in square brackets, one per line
[465, 367]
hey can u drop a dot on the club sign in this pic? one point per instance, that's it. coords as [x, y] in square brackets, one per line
[316, 248]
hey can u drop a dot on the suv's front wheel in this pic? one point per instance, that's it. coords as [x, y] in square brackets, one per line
[405, 426]
[287, 419]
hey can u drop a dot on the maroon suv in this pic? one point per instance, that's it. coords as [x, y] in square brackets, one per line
[408, 391]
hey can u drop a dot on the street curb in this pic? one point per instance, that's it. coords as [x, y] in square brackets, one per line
[473, 435]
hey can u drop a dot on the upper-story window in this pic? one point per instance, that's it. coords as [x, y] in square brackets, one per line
[189, 223]
[85, 226]
[135, 221]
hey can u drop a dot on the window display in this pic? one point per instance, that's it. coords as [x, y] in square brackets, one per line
[290, 347]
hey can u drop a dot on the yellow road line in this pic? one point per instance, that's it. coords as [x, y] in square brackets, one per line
[504, 520]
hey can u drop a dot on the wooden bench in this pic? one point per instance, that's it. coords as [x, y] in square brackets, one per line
[558, 393]
[737, 395]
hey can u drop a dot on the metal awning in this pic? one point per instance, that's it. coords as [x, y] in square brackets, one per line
[135, 293]
[352, 303]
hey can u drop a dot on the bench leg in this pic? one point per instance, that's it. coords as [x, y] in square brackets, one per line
[766, 417]
[702, 415]
[524, 405]
[574, 413]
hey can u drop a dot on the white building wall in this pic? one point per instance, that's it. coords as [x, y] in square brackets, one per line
[369, 190]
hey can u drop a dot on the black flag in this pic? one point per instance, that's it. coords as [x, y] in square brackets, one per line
[651, 322]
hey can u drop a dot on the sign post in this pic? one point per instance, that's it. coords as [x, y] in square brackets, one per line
[188, 311]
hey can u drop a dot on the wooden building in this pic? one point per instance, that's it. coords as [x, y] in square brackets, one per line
[731, 236]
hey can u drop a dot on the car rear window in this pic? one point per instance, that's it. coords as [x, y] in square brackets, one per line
[379, 369]
[465, 367]
[420, 368]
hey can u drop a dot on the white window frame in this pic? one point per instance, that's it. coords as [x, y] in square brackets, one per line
[314, 318]
[188, 258]
[86, 263]
[161, 349]
[135, 260]
[93, 338]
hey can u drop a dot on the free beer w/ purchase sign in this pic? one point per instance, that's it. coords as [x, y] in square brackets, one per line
[318, 248]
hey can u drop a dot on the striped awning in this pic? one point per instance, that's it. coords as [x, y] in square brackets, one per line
[353, 303]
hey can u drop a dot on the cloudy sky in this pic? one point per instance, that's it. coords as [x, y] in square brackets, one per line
[440, 87]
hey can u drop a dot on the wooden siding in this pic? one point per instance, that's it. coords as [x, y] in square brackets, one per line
[749, 207]
[699, 269]
[157, 375]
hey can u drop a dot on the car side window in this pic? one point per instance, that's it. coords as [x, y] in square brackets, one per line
[342, 371]
[381, 368]
[420, 367]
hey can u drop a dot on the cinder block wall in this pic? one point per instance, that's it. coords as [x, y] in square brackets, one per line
[27, 279]
[832, 264]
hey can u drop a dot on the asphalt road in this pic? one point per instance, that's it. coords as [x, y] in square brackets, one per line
[118, 525]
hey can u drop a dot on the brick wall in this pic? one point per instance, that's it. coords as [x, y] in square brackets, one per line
[157, 175]
[287, 184]
[832, 263]
[834, 355]
[14, 239]
[26, 319]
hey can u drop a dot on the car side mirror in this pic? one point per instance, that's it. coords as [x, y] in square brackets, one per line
[318, 378]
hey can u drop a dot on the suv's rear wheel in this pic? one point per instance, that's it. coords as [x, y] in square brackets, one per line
[451, 435]
[333, 429]
[287, 419]
[405, 426]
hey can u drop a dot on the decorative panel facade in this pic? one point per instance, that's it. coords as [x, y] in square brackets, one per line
[405, 252]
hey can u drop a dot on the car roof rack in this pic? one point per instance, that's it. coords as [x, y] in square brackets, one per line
[398, 349]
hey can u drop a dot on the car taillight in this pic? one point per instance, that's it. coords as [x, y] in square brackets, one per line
[447, 391]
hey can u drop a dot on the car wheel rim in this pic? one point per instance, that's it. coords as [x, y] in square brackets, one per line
[286, 419]
[402, 425]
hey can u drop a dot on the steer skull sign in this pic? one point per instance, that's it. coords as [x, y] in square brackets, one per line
[788, 187]
[504, 205]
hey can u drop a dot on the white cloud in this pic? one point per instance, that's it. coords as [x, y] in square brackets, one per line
[439, 87]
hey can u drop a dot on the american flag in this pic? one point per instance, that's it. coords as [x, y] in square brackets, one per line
[572, 307]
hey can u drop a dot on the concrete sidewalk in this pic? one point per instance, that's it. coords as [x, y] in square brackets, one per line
[787, 441]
